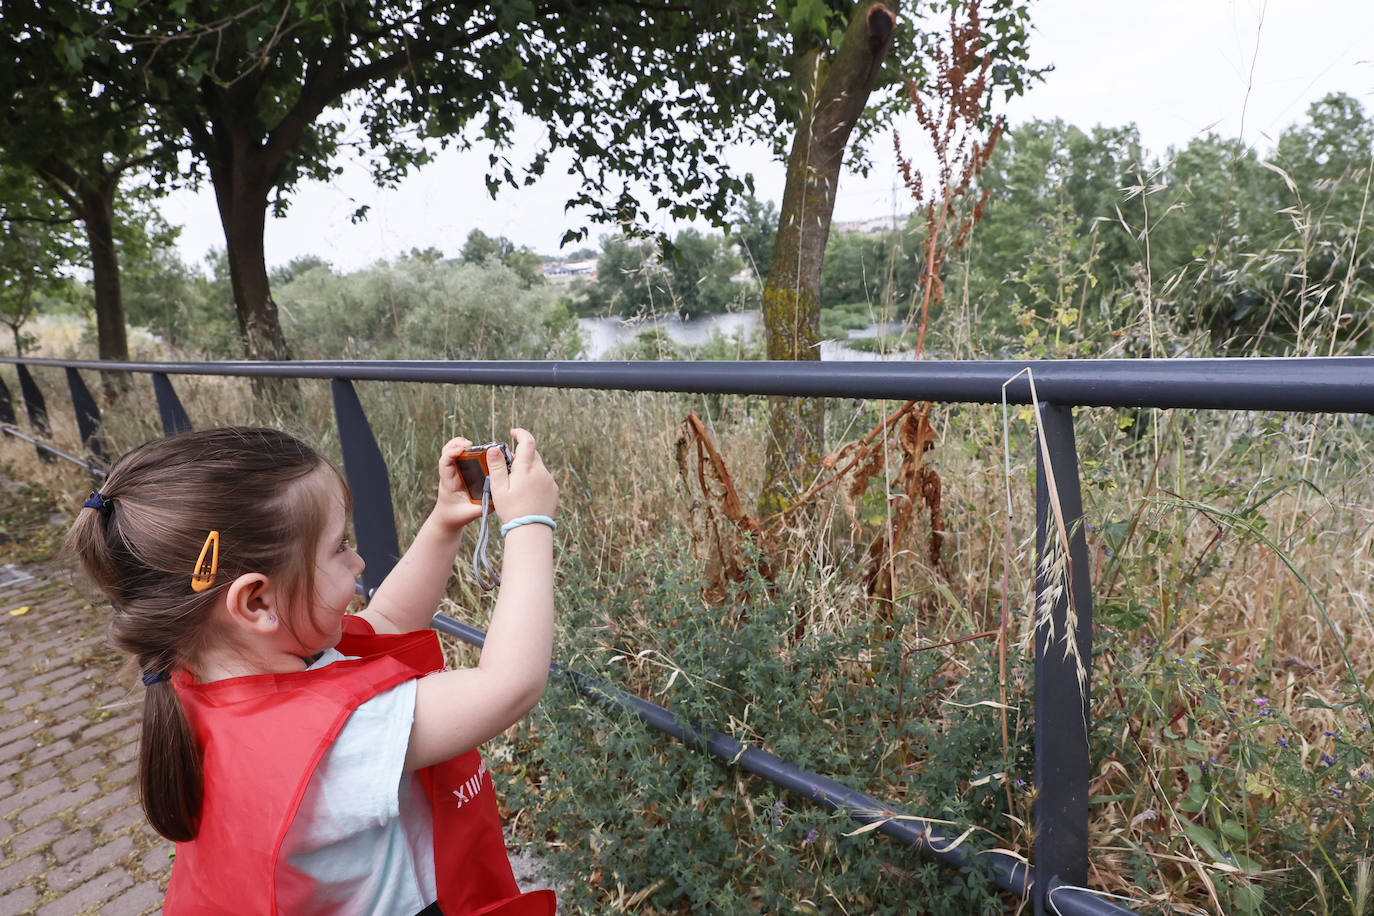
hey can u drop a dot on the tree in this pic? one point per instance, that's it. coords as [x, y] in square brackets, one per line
[81, 141]
[258, 89]
[480, 246]
[839, 54]
[701, 270]
[630, 279]
[755, 225]
[36, 251]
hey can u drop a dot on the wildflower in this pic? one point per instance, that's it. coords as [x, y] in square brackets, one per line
[1328, 759]
[1261, 701]
[1283, 742]
[1108, 551]
[810, 837]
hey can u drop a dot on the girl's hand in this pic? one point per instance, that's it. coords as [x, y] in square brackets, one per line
[453, 508]
[528, 488]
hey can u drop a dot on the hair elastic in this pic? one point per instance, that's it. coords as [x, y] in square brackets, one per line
[100, 502]
[204, 576]
[155, 678]
[528, 520]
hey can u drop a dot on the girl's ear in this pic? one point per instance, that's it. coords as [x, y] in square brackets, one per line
[251, 603]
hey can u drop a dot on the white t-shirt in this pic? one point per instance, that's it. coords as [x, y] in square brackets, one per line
[364, 831]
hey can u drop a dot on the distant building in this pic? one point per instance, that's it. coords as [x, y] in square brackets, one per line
[568, 271]
[873, 225]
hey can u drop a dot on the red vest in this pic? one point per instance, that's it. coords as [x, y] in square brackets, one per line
[261, 738]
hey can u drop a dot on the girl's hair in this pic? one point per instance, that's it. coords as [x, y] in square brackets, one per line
[161, 501]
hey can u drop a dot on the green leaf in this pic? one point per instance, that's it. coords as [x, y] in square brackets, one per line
[1234, 831]
[1207, 840]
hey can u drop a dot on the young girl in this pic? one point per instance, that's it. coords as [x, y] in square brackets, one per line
[303, 759]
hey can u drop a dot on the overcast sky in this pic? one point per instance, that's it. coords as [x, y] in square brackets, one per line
[1176, 68]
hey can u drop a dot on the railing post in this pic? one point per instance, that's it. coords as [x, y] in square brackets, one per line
[87, 416]
[1063, 662]
[34, 405]
[6, 404]
[374, 520]
[174, 419]
[33, 400]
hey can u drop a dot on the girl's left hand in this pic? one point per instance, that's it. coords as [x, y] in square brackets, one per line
[453, 507]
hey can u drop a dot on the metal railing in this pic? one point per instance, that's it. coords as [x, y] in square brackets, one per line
[1054, 882]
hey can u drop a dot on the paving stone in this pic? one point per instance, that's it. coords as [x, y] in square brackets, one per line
[19, 901]
[18, 731]
[24, 699]
[107, 802]
[122, 775]
[136, 901]
[51, 750]
[67, 876]
[58, 802]
[37, 837]
[17, 873]
[109, 726]
[71, 845]
[30, 795]
[83, 753]
[86, 771]
[96, 890]
[14, 749]
[32, 775]
[122, 819]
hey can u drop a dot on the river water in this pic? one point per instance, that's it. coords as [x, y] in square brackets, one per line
[601, 334]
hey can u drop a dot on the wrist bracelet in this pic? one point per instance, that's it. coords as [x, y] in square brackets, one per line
[528, 520]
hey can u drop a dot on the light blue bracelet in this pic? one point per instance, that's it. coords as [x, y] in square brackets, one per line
[528, 520]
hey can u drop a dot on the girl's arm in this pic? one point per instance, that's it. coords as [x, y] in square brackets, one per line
[456, 711]
[409, 595]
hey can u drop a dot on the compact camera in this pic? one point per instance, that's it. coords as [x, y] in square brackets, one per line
[472, 468]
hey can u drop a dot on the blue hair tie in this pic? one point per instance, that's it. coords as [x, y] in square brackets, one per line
[157, 678]
[100, 502]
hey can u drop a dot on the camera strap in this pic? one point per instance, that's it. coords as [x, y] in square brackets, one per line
[485, 575]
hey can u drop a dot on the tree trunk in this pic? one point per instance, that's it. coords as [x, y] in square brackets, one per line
[834, 93]
[112, 339]
[243, 214]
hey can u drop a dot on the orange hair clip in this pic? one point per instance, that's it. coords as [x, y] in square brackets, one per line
[202, 578]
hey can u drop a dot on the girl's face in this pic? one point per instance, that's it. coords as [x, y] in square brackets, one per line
[337, 567]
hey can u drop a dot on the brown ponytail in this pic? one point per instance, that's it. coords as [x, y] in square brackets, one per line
[169, 778]
[139, 542]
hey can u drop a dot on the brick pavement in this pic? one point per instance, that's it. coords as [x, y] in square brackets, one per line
[72, 835]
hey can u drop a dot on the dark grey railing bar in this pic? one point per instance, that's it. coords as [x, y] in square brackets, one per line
[1063, 587]
[1319, 384]
[1072, 900]
[87, 416]
[1010, 874]
[34, 404]
[374, 518]
[169, 409]
[44, 447]
[6, 403]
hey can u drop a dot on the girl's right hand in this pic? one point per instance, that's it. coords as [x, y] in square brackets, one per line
[527, 488]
